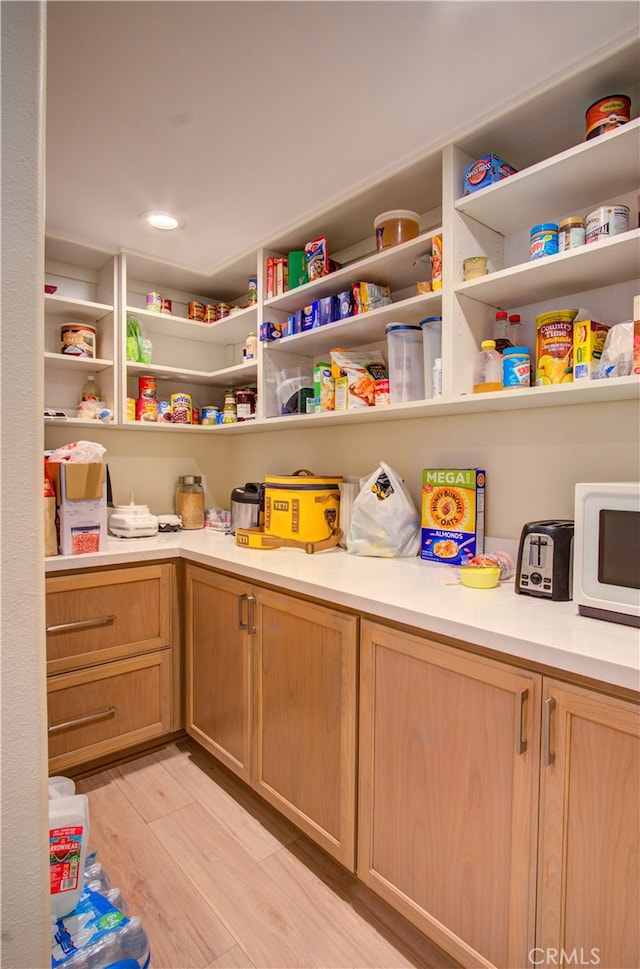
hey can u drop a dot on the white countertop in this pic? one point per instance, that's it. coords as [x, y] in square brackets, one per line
[410, 591]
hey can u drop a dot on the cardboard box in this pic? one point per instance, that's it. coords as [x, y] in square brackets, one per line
[452, 514]
[588, 343]
[81, 492]
[485, 171]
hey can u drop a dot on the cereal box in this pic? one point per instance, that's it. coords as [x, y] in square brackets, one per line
[588, 344]
[452, 514]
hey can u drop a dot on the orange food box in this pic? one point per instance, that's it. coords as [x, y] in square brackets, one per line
[588, 343]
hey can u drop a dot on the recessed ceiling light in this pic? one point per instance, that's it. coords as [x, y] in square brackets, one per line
[161, 220]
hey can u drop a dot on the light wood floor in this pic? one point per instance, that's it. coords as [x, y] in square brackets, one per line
[221, 880]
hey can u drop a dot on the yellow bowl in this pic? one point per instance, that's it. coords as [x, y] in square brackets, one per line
[480, 576]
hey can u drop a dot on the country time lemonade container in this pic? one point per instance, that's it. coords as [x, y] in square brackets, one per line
[452, 514]
[554, 347]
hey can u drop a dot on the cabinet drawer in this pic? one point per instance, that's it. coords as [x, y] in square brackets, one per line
[100, 616]
[107, 708]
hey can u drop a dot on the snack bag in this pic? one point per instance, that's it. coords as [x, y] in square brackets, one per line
[356, 374]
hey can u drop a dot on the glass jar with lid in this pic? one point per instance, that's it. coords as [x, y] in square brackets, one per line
[190, 501]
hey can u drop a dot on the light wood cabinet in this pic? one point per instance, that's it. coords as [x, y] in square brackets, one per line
[271, 692]
[305, 685]
[217, 666]
[113, 660]
[448, 797]
[589, 875]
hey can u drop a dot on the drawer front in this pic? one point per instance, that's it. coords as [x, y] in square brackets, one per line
[99, 616]
[108, 708]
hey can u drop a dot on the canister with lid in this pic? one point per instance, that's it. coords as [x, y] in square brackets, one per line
[608, 220]
[516, 367]
[230, 410]
[571, 232]
[190, 501]
[544, 240]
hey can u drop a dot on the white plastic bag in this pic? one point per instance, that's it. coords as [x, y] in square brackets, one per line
[385, 522]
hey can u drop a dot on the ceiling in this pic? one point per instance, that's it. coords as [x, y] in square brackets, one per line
[247, 119]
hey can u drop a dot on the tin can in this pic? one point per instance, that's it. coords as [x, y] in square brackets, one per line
[78, 340]
[210, 313]
[153, 302]
[571, 233]
[181, 408]
[146, 409]
[543, 240]
[195, 311]
[608, 220]
[147, 387]
[166, 306]
[606, 114]
[210, 415]
[223, 310]
[164, 411]
[516, 367]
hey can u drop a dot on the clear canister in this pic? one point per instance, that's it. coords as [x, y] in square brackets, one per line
[570, 232]
[190, 501]
[406, 362]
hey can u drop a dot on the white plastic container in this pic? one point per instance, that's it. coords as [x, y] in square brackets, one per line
[61, 787]
[68, 842]
[406, 362]
[432, 349]
[395, 227]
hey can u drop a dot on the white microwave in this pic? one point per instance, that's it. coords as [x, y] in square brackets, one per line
[606, 552]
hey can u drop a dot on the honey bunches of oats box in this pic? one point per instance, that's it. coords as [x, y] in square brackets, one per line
[452, 514]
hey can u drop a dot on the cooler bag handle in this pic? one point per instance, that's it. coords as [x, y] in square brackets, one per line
[304, 471]
[256, 538]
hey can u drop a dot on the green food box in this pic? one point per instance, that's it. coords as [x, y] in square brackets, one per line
[297, 268]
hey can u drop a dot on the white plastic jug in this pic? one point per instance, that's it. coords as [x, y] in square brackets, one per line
[68, 841]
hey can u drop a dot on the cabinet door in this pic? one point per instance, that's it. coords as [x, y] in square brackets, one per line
[589, 882]
[449, 746]
[305, 718]
[217, 663]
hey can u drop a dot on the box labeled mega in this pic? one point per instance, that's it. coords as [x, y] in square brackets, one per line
[485, 171]
[452, 514]
[588, 343]
[81, 492]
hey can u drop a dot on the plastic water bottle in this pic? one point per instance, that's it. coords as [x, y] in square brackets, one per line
[487, 374]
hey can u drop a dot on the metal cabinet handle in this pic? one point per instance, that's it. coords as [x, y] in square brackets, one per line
[241, 601]
[521, 743]
[251, 618]
[548, 754]
[89, 718]
[81, 624]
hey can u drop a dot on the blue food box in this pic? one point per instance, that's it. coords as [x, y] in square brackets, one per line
[452, 502]
[298, 319]
[311, 316]
[345, 304]
[485, 171]
[328, 309]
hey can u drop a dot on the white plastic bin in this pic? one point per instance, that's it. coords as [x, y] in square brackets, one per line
[406, 362]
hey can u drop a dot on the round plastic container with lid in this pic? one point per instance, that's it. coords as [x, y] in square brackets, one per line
[406, 362]
[394, 227]
[544, 240]
[516, 368]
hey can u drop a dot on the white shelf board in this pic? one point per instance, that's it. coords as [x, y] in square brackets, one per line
[82, 310]
[222, 332]
[363, 328]
[589, 174]
[61, 361]
[229, 376]
[398, 267]
[604, 263]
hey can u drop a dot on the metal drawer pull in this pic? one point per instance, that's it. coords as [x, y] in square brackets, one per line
[90, 718]
[81, 624]
[548, 754]
[251, 621]
[521, 743]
